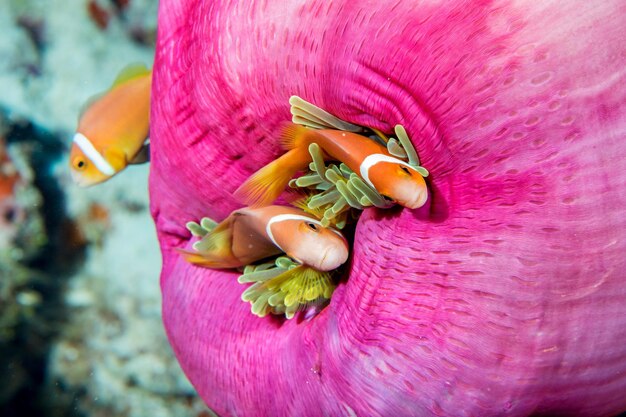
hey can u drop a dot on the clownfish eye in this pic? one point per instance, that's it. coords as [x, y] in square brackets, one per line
[80, 164]
[312, 226]
[405, 170]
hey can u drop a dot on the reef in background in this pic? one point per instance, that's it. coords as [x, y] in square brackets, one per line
[22, 239]
[80, 320]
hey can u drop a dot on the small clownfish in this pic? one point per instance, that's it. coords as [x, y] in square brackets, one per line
[394, 179]
[113, 129]
[251, 234]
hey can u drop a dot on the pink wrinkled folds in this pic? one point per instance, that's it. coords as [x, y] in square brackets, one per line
[505, 296]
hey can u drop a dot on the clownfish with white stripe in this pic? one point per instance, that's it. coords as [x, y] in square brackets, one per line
[250, 234]
[397, 181]
[113, 130]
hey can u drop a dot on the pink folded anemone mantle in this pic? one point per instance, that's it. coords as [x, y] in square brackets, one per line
[506, 295]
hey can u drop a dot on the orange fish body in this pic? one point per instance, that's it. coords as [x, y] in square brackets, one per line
[393, 178]
[112, 131]
[251, 234]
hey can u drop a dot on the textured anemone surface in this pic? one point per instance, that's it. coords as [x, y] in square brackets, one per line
[506, 295]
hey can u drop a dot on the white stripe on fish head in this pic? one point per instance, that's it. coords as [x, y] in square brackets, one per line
[85, 145]
[285, 217]
[374, 159]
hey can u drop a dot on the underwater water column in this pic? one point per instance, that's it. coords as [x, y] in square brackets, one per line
[505, 295]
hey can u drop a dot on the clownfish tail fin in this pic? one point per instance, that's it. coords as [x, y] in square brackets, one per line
[214, 250]
[264, 186]
[294, 136]
[206, 260]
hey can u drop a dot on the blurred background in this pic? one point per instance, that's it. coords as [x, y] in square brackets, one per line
[80, 318]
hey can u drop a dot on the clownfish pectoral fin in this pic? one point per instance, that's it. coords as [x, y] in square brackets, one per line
[131, 72]
[142, 156]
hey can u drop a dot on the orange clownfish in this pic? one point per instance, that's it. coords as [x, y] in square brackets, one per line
[394, 179]
[112, 131]
[251, 234]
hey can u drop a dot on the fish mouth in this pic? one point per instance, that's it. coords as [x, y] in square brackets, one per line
[295, 258]
[332, 258]
[79, 180]
[418, 201]
[324, 262]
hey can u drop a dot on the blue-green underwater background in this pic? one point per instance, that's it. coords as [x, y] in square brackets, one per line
[80, 319]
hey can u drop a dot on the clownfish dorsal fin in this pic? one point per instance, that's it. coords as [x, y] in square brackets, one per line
[130, 72]
[89, 102]
[126, 74]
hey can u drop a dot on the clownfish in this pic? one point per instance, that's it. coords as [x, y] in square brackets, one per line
[397, 181]
[251, 234]
[113, 129]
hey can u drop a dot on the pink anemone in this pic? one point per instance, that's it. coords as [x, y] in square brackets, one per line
[505, 296]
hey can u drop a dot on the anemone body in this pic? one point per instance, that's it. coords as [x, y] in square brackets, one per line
[505, 295]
